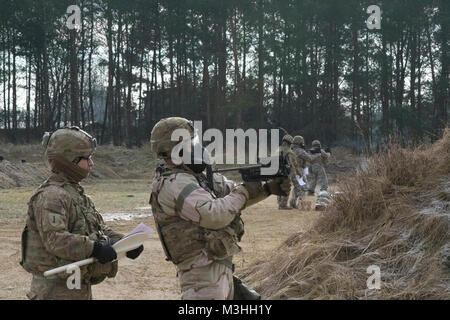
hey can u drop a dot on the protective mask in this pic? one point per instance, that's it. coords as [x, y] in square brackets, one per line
[199, 156]
[71, 170]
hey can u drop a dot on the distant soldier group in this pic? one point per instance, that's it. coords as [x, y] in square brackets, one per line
[307, 169]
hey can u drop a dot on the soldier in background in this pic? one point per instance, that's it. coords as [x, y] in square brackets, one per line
[304, 159]
[317, 168]
[285, 150]
[198, 217]
[63, 225]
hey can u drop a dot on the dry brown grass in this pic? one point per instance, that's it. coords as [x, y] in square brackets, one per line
[395, 215]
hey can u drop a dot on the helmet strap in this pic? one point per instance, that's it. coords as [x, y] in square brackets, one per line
[73, 171]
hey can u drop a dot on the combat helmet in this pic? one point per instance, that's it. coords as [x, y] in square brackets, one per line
[65, 147]
[298, 140]
[161, 142]
[71, 143]
[287, 138]
[316, 144]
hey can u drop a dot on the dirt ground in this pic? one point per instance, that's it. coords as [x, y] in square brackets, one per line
[149, 276]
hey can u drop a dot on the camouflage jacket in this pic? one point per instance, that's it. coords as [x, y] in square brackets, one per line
[304, 158]
[62, 227]
[320, 159]
[197, 226]
[286, 150]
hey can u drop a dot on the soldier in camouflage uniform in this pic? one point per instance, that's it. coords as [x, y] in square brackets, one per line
[285, 150]
[198, 217]
[63, 225]
[317, 168]
[304, 158]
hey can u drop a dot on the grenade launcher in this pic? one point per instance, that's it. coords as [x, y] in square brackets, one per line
[255, 173]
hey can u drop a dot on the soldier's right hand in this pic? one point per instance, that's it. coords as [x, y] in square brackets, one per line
[104, 253]
[255, 189]
[279, 186]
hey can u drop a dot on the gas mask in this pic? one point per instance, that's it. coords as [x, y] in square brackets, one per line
[197, 157]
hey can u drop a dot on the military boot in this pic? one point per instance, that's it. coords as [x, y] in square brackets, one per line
[243, 292]
[293, 203]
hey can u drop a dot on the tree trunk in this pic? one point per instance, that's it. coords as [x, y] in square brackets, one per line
[14, 91]
[237, 80]
[91, 51]
[109, 93]
[172, 84]
[260, 64]
[5, 111]
[412, 84]
[28, 112]
[206, 91]
[74, 89]
[83, 56]
[384, 87]
[222, 69]
[443, 84]
[116, 114]
[46, 114]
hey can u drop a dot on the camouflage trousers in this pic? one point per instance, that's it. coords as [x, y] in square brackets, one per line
[317, 173]
[282, 201]
[297, 193]
[56, 289]
[297, 189]
[211, 282]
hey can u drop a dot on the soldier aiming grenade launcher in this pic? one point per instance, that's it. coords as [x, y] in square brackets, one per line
[253, 173]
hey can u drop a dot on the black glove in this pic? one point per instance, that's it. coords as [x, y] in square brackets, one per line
[104, 253]
[133, 254]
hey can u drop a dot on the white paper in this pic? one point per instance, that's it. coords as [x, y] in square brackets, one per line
[130, 241]
[306, 171]
[300, 181]
[141, 228]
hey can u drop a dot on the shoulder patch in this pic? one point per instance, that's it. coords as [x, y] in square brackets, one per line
[56, 220]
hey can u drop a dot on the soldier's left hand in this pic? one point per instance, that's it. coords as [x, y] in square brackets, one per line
[133, 254]
[279, 186]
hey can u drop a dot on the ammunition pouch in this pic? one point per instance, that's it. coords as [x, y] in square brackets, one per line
[97, 272]
[36, 259]
[221, 243]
